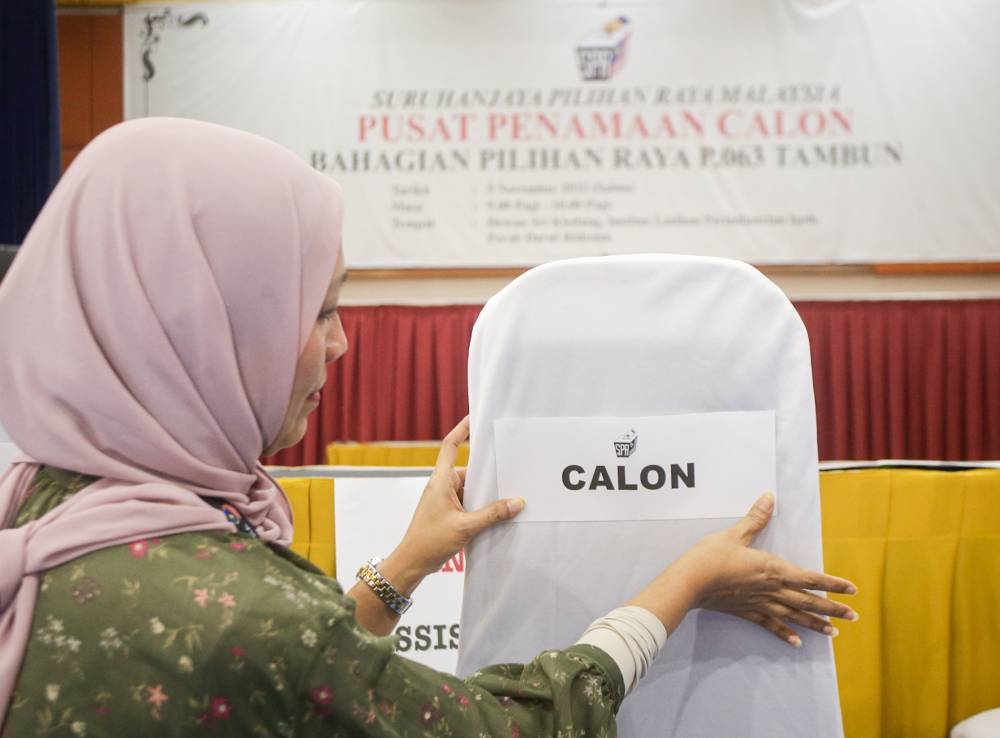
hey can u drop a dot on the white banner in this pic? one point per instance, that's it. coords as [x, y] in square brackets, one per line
[371, 516]
[706, 465]
[512, 133]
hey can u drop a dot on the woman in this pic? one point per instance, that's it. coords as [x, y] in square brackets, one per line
[168, 321]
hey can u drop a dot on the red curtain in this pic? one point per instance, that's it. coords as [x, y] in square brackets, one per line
[906, 380]
[893, 379]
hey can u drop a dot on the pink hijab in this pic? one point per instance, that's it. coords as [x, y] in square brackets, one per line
[149, 331]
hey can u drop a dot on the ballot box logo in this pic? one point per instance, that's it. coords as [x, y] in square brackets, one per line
[628, 477]
[601, 54]
[625, 444]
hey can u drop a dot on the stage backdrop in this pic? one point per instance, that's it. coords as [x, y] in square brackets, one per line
[515, 132]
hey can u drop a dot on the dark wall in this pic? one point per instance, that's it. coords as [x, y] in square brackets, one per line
[29, 113]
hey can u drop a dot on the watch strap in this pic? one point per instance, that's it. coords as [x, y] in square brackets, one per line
[382, 587]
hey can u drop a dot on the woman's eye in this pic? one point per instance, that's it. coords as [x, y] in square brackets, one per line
[327, 314]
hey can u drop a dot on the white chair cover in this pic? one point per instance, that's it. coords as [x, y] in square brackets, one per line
[984, 725]
[643, 336]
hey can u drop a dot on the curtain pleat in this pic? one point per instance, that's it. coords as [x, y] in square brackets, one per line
[893, 379]
[906, 379]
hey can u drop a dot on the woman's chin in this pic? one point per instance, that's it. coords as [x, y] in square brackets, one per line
[287, 438]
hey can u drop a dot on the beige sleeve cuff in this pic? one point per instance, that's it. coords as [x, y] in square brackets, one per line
[632, 636]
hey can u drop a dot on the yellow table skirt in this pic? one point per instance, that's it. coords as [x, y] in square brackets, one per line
[922, 546]
[389, 454]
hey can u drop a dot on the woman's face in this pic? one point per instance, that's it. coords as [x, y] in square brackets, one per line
[327, 343]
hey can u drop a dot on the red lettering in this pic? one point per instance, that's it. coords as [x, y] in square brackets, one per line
[667, 126]
[415, 128]
[841, 118]
[463, 126]
[440, 130]
[455, 564]
[693, 121]
[760, 126]
[548, 125]
[365, 124]
[495, 123]
[818, 122]
[639, 127]
[518, 129]
[724, 123]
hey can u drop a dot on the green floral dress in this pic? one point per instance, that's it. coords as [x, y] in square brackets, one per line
[220, 634]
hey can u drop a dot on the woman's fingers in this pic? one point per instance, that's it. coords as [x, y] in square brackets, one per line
[804, 579]
[460, 485]
[798, 617]
[756, 519]
[774, 625]
[808, 602]
[495, 512]
[449, 446]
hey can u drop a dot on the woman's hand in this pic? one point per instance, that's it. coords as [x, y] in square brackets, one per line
[439, 529]
[721, 572]
[441, 526]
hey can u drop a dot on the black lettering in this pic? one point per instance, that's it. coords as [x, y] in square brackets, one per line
[567, 483]
[651, 471]
[439, 631]
[423, 637]
[405, 643]
[453, 632]
[622, 483]
[318, 160]
[677, 475]
[601, 479]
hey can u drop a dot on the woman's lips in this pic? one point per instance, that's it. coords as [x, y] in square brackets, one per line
[314, 397]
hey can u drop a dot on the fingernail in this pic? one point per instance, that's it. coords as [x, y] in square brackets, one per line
[834, 632]
[827, 630]
[766, 502]
[853, 616]
[851, 589]
[795, 641]
[515, 505]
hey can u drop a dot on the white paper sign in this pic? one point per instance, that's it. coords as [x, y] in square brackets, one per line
[371, 516]
[707, 465]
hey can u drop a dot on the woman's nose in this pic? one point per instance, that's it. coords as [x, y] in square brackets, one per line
[336, 343]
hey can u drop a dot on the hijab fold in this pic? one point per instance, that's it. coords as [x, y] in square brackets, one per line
[149, 332]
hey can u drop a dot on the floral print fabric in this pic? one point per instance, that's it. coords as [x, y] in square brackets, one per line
[220, 634]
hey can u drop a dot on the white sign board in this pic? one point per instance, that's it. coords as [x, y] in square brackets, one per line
[706, 465]
[513, 133]
[371, 516]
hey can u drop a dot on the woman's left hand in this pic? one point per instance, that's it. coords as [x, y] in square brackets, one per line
[439, 529]
[441, 526]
